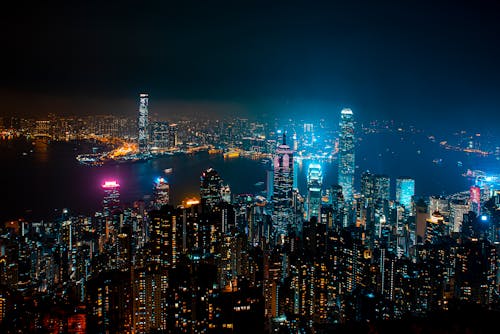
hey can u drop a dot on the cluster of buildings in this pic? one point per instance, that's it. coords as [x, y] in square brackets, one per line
[244, 263]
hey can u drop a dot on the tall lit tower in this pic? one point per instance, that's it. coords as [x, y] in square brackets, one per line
[143, 123]
[111, 200]
[282, 188]
[161, 189]
[346, 154]
[405, 190]
[172, 135]
[210, 189]
[314, 184]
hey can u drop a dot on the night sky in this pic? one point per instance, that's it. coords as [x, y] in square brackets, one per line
[428, 62]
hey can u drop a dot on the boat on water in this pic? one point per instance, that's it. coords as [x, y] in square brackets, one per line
[260, 183]
[232, 154]
[168, 170]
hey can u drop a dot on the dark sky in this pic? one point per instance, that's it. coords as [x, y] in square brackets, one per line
[427, 61]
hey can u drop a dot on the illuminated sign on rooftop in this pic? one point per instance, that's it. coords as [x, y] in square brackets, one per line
[110, 184]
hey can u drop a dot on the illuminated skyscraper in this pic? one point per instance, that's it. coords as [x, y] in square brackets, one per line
[159, 135]
[405, 190]
[346, 154]
[143, 123]
[475, 199]
[111, 200]
[210, 189]
[172, 135]
[161, 192]
[282, 188]
[314, 183]
[375, 187]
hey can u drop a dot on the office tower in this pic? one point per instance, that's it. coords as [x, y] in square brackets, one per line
[172, 135]
[439, 204]
[458, 208]
[161, 190]
[405, 190]
[160, 132]
[382, 187]
[143, 124]
[269, 184]
[475, 200]
[375, 188]
[295, 184]
[283, 186]
[346, 154]
[111, 201]
[210, 189]
[367, 188]
[314, 184]
[338, 207]
[435, 227]
[422, 213]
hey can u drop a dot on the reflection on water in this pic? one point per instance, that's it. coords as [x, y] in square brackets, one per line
[50, 178]
[41, 150]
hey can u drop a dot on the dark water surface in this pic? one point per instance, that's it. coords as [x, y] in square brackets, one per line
[47, 178]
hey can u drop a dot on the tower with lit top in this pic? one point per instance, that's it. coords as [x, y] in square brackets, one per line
[161, 190]
[314, 184]
[282, 189]
[111, 200]
[405, 190]
[210, 189]
[346, 154]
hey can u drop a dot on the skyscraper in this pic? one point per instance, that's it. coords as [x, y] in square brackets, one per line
[475, 199]
[161, 192]
[143, 123]
[405, 190]
[111, 200]
[159, 135]
[314, 184]
[210, 189]
[172, 135]
[282, 186]
[346, 154]
[375, 187]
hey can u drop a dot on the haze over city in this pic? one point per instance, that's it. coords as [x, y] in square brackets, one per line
[420, 61]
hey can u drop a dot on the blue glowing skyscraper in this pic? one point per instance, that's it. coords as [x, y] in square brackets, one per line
[314, 184]
[346, 154]
[143, 123]
[405, 190]
[282, 188]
